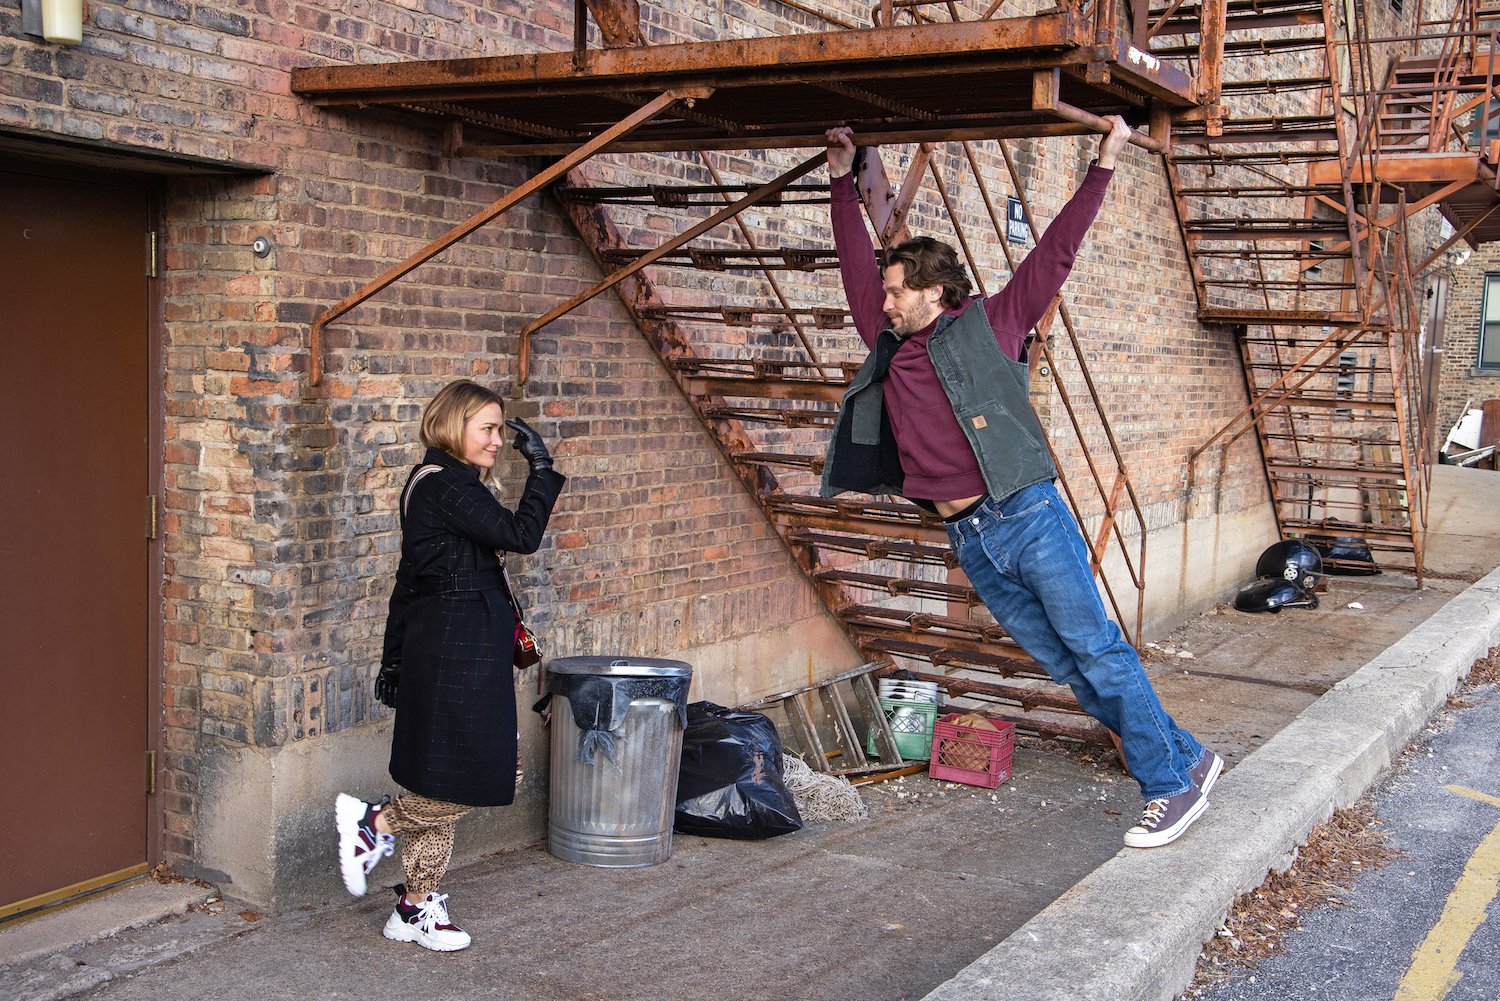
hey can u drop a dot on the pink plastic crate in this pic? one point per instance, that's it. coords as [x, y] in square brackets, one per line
[975, 756]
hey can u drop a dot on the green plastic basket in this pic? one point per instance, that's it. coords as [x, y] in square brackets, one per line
[912, 724]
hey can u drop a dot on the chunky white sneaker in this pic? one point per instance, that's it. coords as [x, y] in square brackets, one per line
[1206, 772]
[426, 924]
[361, 846]
[1164, 820]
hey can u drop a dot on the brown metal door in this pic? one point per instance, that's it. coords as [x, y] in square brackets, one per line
[74, 429]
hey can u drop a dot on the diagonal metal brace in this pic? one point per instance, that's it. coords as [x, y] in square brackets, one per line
[595, 145]
[686, 236]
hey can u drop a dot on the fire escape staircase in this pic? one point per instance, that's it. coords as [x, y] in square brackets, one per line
[731, 278]
[1292, 249]
[766, 376]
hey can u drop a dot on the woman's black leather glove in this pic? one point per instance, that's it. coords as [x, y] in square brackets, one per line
[530, 445]
[385, 685]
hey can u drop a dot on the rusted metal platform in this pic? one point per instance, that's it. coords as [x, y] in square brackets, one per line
[1026, 76]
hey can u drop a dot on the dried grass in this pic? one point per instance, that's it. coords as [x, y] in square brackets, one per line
[1350, 842]
[1486, 670]
[1337, 851]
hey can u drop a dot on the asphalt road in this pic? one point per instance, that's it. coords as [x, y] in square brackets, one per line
[1425, 927]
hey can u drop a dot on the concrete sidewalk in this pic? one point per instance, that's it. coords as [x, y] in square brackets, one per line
[1132, 928]
[945, 892]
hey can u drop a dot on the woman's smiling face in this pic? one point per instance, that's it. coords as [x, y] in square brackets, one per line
[484, 433]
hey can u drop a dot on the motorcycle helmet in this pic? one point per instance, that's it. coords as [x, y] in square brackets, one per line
[1293, 561]
[1272, 594]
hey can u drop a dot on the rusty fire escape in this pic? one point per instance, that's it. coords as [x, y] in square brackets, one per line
[1294, 192]
[731, 277]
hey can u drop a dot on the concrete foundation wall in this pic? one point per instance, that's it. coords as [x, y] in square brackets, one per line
[1195, 564]
[266, 833]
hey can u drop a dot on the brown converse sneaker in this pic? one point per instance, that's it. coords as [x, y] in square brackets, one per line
[1164, 820]
[1206, 772]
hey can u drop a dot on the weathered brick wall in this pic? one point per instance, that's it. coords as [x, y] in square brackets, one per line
[1463, 383]
[280, 534]
[279, 510]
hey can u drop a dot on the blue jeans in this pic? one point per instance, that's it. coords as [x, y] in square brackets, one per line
[1028, 561]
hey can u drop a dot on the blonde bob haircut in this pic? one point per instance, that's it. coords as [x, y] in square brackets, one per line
[444, 419]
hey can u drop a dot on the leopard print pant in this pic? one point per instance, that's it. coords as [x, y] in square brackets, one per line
[425, 827]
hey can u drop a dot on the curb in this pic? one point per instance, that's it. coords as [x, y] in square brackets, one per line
[1132, 929]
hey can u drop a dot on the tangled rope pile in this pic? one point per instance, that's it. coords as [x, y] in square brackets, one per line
[821, 797]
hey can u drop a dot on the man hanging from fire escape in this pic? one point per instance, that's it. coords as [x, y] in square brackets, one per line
[939, 414]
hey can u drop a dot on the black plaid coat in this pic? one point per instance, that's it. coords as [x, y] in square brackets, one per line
[450, 632]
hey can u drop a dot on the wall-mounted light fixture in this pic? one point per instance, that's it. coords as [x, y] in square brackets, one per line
[57, 21]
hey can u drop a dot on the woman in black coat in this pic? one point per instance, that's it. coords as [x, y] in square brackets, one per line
[447, 663]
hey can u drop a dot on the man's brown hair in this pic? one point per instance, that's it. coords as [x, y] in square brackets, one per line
[927, 262]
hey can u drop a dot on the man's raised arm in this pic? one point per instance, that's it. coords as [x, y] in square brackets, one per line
[1020, 305]
[857, 264]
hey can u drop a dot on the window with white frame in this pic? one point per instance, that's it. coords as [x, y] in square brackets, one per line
[1489, 323]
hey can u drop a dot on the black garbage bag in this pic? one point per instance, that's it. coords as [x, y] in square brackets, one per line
[1350, 557]
[730, 783]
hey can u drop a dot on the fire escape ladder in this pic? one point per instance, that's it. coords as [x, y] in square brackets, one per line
[1291, 247]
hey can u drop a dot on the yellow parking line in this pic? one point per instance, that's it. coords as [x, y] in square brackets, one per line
[1434, 967]
[1483, 797]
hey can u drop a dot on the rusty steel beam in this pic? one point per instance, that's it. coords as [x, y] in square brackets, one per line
[685, 195]
[1461, 234]
[791, 417]
[752, 316]
[940, 49]
[941, 654]
[619, 22]
[878, 101]
[807, 135]
[812, 462]
[1294, 317]
[765, 389]
[1028, 698]
[887, 548]
[834, 521]
[692, 233]
[917, 624]
[900, 208]
[576, 156]
[1046, 85]
[1401, 168]
[898, 587]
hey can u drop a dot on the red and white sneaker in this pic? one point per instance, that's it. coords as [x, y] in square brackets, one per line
[426, 924]
[361, 846]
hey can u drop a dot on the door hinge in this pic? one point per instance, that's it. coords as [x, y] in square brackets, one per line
[150, 773]
[150, 516]
[151, 254]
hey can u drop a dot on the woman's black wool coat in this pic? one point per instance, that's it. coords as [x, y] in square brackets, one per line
[451, 631]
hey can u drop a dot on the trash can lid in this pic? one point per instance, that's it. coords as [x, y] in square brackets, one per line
[621, 667]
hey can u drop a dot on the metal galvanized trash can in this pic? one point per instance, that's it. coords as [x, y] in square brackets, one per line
[616, 749]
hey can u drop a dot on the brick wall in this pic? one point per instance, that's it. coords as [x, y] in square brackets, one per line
[279, 499]
[1463, 383]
